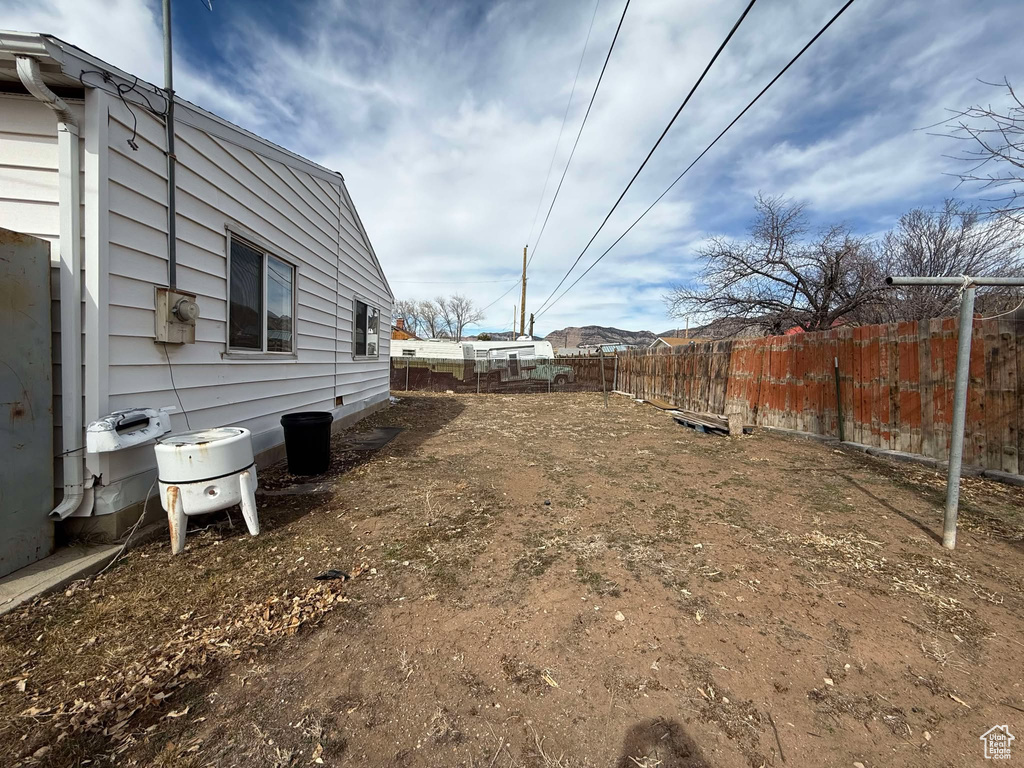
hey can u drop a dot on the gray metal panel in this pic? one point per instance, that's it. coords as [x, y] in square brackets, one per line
[26, 414]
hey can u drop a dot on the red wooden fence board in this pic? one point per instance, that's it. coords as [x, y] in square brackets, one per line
[896, 385]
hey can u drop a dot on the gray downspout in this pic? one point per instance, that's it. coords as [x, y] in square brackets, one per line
[68, 166]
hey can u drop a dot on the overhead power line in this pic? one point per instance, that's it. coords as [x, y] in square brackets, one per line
[736, 119]
[506, 293]
[579, 133]
[656, 144]
[449, 282]
[568, 104]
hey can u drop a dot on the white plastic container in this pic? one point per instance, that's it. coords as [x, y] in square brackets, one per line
[206, 471]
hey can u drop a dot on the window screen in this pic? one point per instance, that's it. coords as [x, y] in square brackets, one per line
[279, 305]
[360, 337]
[366, 334]
[372, 323]
[246, 302]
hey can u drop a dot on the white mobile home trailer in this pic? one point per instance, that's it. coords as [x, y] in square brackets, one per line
[448, 349]
[497, 349]
[293, 303]
[435, 349]
[497, 361]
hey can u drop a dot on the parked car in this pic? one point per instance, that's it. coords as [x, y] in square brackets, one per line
[515, 365]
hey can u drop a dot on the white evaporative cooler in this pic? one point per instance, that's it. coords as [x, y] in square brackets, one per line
[206, 471]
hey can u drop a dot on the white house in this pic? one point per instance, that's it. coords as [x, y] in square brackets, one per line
[293, 304]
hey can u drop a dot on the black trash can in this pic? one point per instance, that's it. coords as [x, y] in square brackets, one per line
[307, 441]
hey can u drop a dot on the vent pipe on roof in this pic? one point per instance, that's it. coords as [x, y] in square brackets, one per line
[70, 245]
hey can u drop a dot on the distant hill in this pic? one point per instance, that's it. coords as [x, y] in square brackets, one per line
[722, 328]
[589, 335]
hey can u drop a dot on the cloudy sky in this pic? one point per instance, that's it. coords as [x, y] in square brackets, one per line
[443, 116]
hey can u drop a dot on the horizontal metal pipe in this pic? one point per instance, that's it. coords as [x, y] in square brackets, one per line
[954, 280]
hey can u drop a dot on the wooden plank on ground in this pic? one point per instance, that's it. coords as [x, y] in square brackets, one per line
[662, 404]
[707, 422]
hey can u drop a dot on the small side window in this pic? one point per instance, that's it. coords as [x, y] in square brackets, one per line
[365, 333]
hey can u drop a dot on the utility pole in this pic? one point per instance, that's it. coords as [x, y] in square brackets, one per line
[968, 287]
[522, 302]
[531, 325]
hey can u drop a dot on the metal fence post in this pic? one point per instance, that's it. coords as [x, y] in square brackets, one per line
[968, 286]
[615, 374]
[604, 387]
[956, 446]
[406, 375]
[477, 366]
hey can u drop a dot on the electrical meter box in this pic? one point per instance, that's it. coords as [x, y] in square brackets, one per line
[176, 315]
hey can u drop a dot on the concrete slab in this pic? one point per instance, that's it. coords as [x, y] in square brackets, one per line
[54, 572]
[1004, 477]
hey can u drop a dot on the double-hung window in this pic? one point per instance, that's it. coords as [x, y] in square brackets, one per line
[366, 325]
[261, 300]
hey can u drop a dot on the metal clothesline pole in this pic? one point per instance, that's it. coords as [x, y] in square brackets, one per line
[963, 365]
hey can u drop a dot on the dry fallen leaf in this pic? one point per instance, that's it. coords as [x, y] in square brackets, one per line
[179, 713]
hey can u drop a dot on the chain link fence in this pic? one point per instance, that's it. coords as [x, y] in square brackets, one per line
[505, 375]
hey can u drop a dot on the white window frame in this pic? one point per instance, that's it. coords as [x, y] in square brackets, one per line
[355, 314]
[247, 352]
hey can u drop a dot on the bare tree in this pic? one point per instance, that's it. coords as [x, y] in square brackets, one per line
[994, 151]
[431, 320]
[409, 311]
[456, 312]
[783, 275]
[956, 240]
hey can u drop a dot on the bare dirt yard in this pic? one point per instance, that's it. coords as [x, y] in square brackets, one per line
[539, 581]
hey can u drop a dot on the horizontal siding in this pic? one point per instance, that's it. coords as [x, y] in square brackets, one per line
[303, 219]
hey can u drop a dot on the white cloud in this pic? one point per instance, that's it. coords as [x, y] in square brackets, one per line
[443, 118]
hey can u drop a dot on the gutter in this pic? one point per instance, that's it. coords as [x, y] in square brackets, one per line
[68, 165]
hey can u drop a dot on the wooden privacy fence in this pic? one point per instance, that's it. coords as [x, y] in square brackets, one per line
[895, 385]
